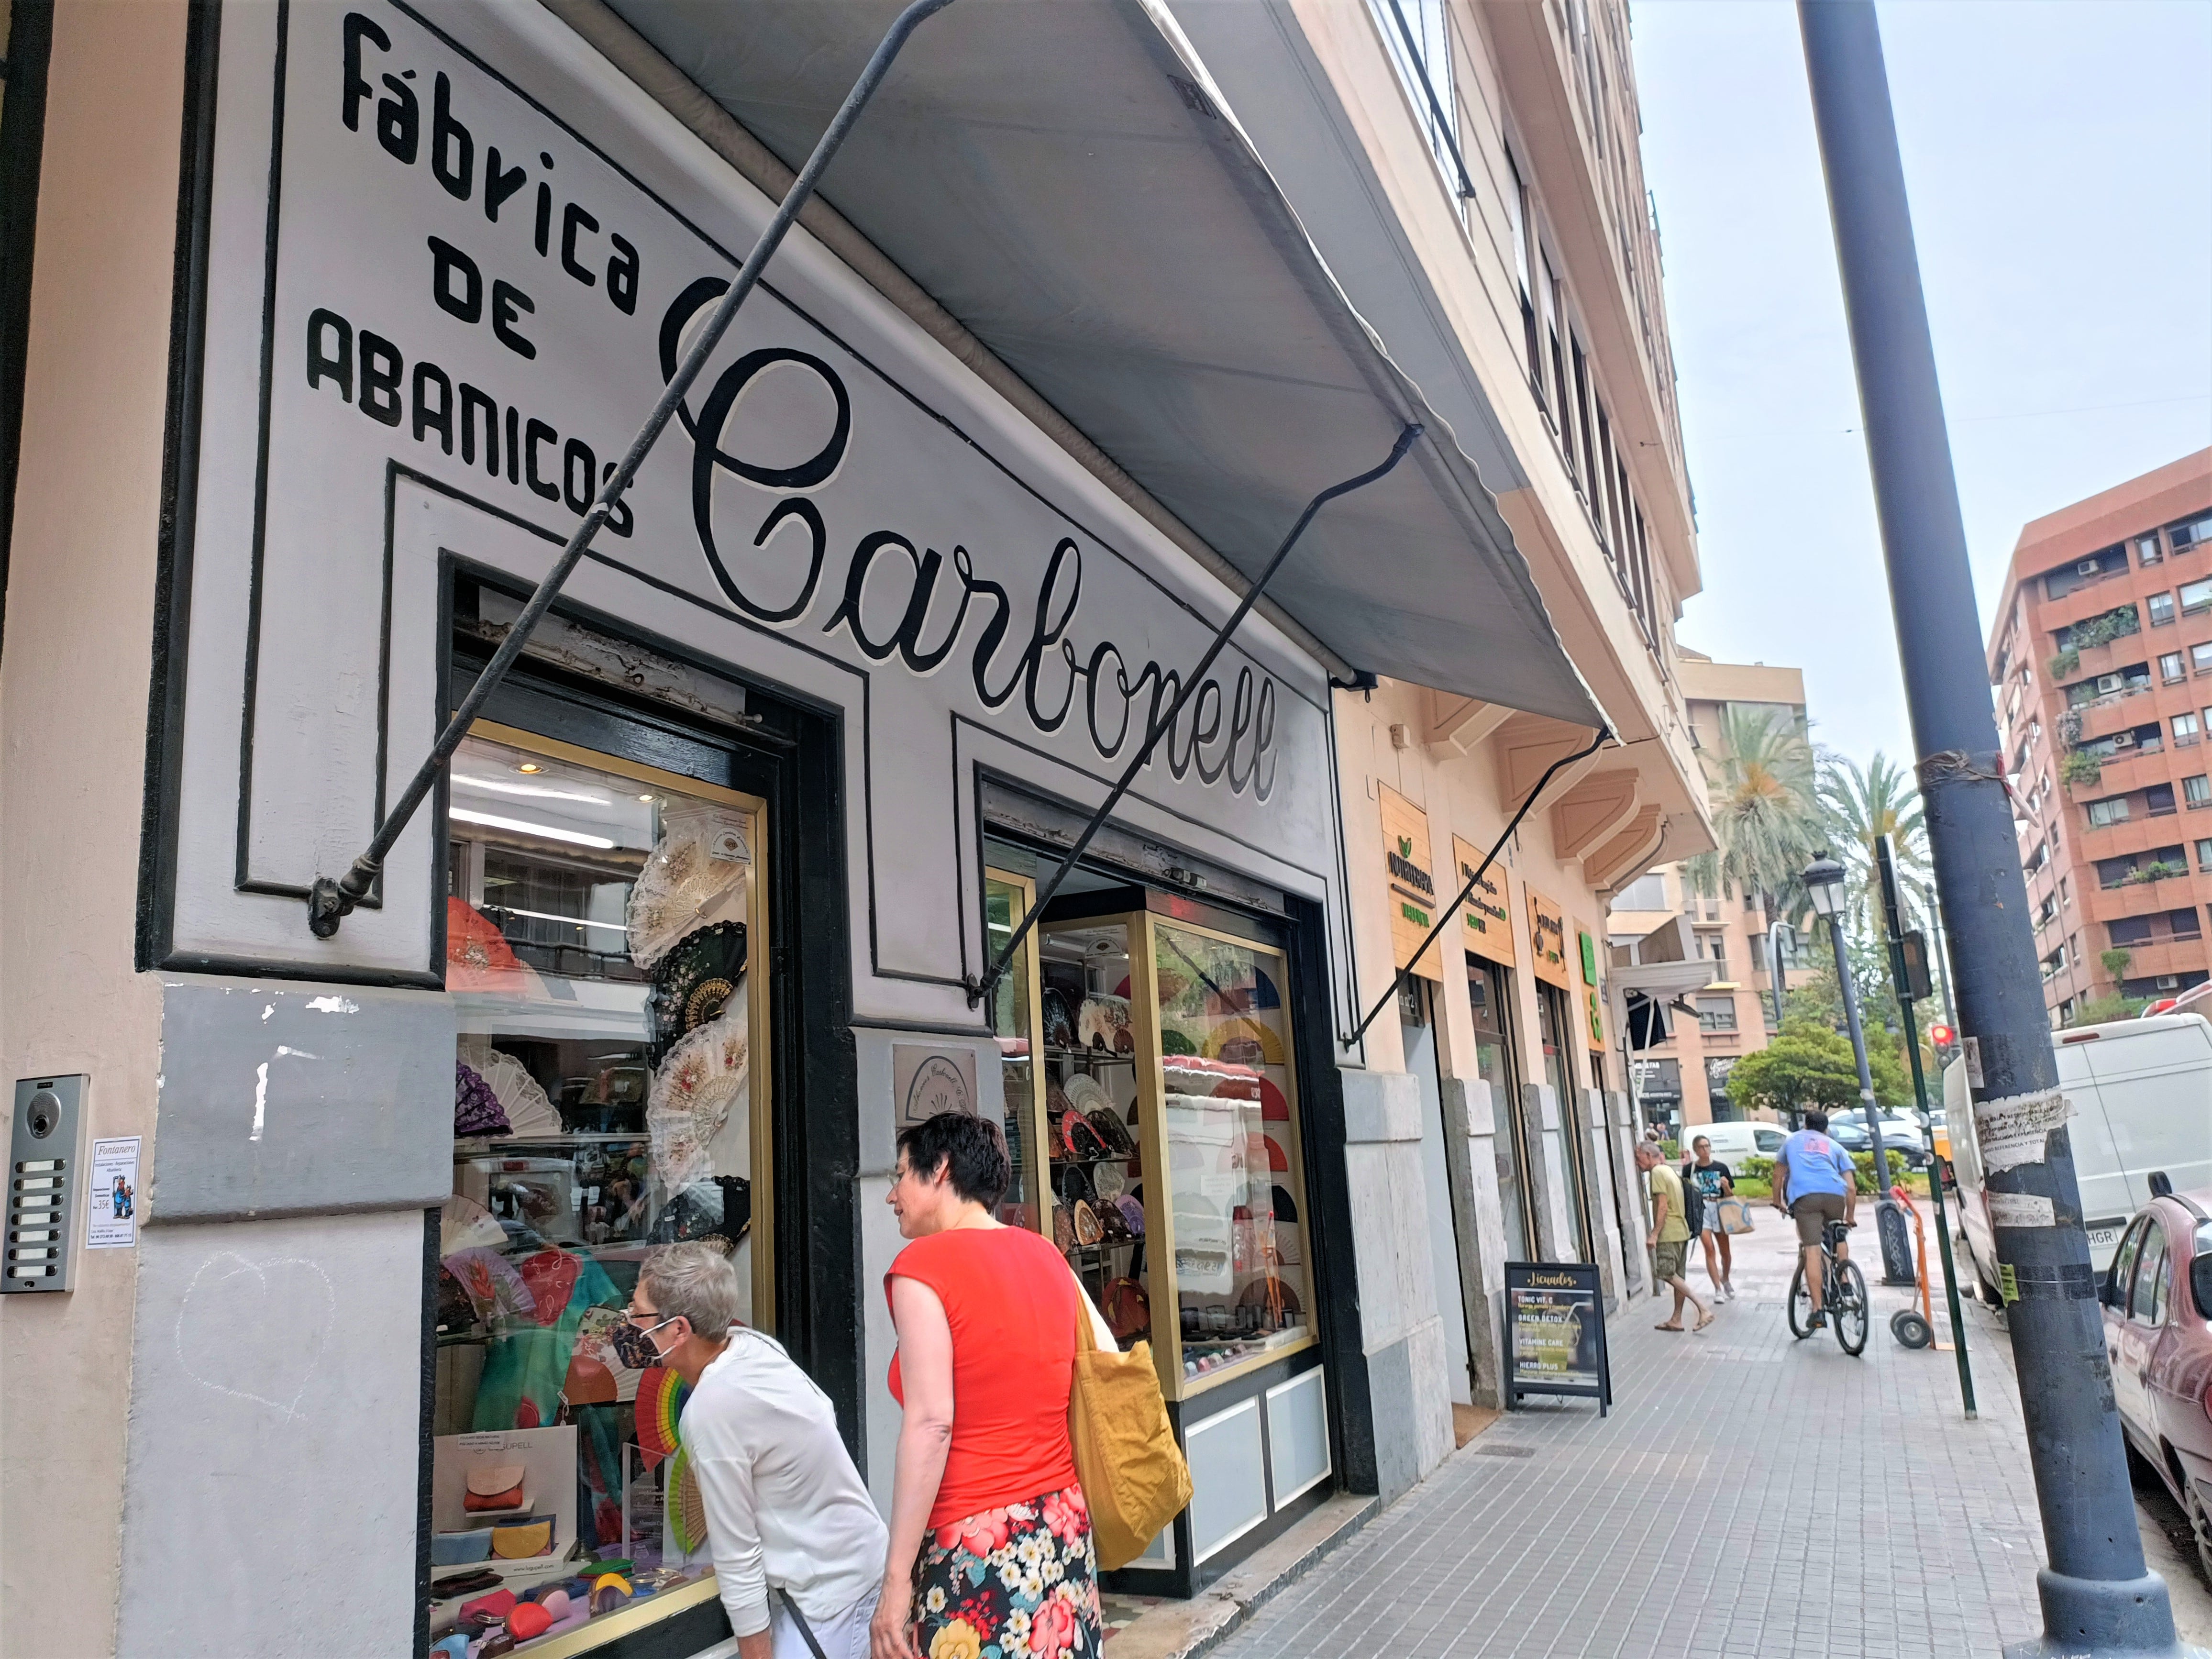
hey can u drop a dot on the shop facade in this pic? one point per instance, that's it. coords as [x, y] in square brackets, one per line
[705, 907]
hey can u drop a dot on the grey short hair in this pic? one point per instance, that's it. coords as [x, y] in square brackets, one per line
[695, 1282]
[1658, 1155]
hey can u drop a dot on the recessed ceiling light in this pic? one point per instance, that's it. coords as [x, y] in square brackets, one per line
[529, 766]
[645, 798]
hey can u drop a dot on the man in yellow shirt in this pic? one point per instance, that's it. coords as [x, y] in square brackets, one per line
[1669, 1237]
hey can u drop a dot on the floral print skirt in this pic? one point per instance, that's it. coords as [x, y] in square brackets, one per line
[1019, 1583]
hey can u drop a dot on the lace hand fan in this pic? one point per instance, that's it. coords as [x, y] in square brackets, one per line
[529, 1112]
[701, 857]
[692, 1095]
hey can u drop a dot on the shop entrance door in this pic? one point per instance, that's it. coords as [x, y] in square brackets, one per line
[1558, 1071]
[1417, 1020]
[1489, 993]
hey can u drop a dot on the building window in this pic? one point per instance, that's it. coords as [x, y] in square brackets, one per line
[1716, 1013]
[2189, 533]
[1647, 892]
[2127, 932]
[2158, 800]
[2196, 597]
[2169, 667]
[2103, 812]
[2204, 855]
[2147, 550]
[2184, 924]
[2199, 659]
[1417, 37]
[2184, 731]
[2161, 609]
[2197, 791]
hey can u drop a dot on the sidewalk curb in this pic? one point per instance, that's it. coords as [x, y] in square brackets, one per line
[1184, 1630]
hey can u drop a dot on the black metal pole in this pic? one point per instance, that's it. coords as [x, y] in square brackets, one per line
[330, 901]
[1942, 960]
[1889, 1230]
[2096, 1595]
[1904, 984]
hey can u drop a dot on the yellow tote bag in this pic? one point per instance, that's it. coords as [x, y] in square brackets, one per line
[1133, 1472]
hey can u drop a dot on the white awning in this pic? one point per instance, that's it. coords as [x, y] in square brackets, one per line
[1068, 182]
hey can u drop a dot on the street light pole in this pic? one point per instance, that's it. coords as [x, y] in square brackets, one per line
[2097, 1596]
[1823, 880]
[1774, 968]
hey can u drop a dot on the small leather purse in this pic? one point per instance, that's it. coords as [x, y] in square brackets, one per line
[493, 1486]
[517, 1543]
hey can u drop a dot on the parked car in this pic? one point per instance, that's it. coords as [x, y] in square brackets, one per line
[2141, 1091]
[2157, 1297]
[1734, 1142]
[1902, 1137]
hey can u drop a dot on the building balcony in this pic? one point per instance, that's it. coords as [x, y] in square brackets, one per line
[2144, 898]
[2093, 599]
[2112, 841]
[2159, 957]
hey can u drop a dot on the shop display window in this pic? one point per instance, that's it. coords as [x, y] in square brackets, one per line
[601, 920]
[1006, 900]
[1173, 1173]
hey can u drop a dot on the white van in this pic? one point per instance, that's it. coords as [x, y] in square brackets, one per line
[1733, 1142]
[2141, 1094]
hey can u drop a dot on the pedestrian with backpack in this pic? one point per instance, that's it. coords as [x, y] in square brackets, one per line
[1669, 1236]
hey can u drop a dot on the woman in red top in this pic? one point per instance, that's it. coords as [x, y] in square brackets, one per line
[990, 1538]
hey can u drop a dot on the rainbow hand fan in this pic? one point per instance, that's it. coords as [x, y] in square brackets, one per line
[686, 1506]
[660, 1397]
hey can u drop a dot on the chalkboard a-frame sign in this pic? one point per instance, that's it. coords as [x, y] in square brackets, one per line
[1555, 1332]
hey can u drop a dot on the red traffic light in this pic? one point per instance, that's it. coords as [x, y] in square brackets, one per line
[1941, 1035]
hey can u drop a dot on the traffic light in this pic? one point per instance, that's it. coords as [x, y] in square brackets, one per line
[1944, 1040]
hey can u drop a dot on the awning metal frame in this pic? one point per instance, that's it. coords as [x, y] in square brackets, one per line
[329, 901]
[980, 989]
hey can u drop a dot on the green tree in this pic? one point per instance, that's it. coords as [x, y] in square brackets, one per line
[1760, 785]
[1881, 1022]
[1806, 1065]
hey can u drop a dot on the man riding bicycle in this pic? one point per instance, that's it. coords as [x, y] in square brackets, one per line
[1814, 1183]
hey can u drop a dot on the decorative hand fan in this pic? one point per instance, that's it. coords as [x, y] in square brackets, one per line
[529, 1112]
[465, 1224]
[692, 1095]
[660, 1397]
[479, 959]
[687, 1506]
[693, 982]
[701, 857]
[476, 1110]
[492, 1284]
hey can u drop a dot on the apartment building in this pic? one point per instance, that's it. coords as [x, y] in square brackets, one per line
[1684, 1080]
[2100, 658]
[1471, 175]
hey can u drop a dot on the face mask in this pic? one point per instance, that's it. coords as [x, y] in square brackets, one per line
[634, 1345]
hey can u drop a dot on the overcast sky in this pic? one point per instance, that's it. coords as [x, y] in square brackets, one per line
[2059, 155]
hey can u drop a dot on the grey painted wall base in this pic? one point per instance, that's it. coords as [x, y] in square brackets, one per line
[1408, 1380]
[1546, 1174]
[1471, 1158]
[1589, 1128]
[1634, 1207]
[278, 1097]
[269, 1500]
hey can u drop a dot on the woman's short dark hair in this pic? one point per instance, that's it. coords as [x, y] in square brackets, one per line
[971, 1150]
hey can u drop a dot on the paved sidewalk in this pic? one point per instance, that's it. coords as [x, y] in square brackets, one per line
[1749, 1496]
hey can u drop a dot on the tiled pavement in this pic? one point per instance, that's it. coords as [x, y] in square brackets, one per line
[1749, 1496]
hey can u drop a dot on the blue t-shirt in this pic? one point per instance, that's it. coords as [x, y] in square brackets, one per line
[1816, 1164]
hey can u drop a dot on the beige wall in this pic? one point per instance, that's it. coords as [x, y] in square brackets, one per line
[73, 691]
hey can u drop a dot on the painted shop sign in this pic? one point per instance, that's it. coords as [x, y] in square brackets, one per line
[1547, 940]
[1487, 930]
[1410, 883]
[1592, 991]
[453, 258]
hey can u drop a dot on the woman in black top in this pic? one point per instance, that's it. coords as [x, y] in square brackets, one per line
[1714, 1181]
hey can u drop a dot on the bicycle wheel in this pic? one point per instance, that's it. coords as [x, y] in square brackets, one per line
[1801, 1305]
[1848, 1315]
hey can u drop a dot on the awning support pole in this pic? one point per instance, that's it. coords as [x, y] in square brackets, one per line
[329, 902]
[979, 990]
[1466, 892]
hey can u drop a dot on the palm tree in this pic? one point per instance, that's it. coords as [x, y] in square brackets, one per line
[1858, 808]
[1760, 784]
